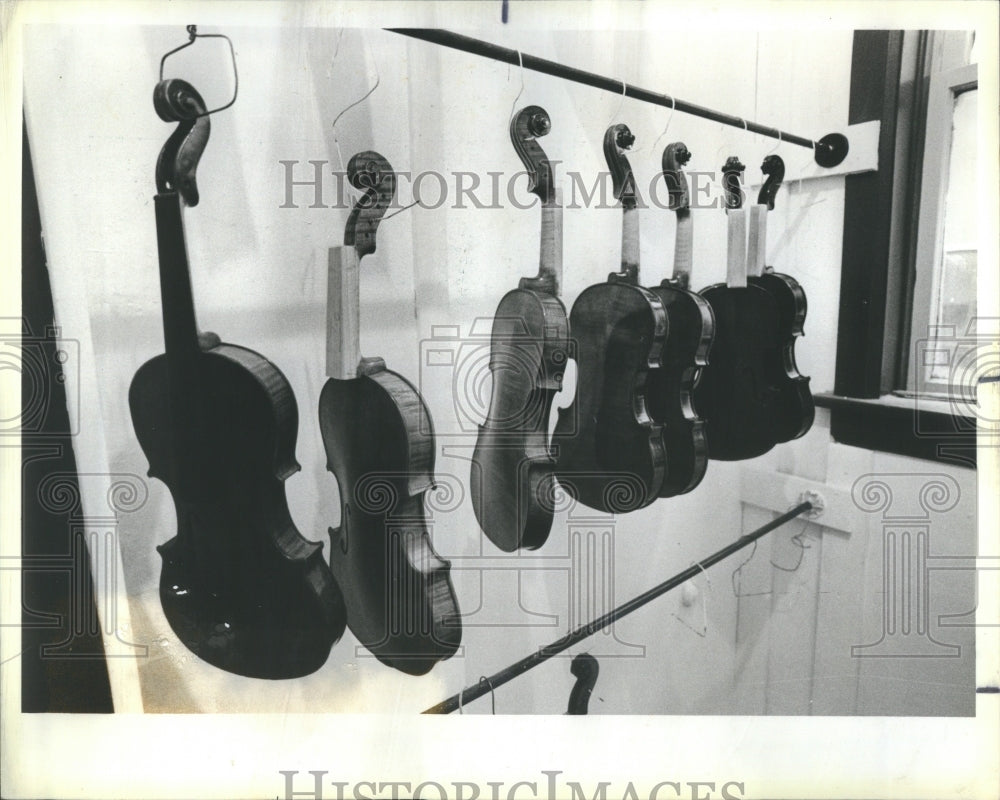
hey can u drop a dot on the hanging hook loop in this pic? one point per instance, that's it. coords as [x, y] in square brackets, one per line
[193, 34]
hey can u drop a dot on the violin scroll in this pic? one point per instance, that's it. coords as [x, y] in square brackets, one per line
[731, 172]
[530, 123]
[774, 168]
[617, 139]
[371, 173]
[675, 158]
[585, 669]
[176, 100]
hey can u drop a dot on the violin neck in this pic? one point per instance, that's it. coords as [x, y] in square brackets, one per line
[630, 242]
[180, 329]
[343, 313]
[684, 247]
[549, 278]
[756, 249]
[736, 248]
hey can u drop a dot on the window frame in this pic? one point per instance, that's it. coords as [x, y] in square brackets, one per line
[881, 215]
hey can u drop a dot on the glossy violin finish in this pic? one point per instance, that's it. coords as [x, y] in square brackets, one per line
[240, 586]
[585, 669]
[670, 389]
[736, 394]
[794, 409]
[379, 442]
[610, 451]
[512, 483]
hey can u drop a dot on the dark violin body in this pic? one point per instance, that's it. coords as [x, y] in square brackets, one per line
[379, 445]
[240, 586]
[610, 452]
[736, 393]
[512, 483]
[794, 410]
[670, 389]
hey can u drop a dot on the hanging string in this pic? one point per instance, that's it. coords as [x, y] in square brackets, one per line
[776, 146]
[621, 104]
[493, 697]
[359, 101]
[665, 127]
[737, 575]
[704, 607]
[520, 91]
[798, 541]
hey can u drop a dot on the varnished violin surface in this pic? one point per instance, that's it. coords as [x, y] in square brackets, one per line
[240, 586]
[610, 451]
[379, 444]
[736, 393]
[670, 389]
[794, 409]
[512, 483]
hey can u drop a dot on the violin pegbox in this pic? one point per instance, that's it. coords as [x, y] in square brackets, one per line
[372, 174]
[529, 124]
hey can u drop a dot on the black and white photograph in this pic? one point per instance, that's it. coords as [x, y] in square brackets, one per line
[368, 363]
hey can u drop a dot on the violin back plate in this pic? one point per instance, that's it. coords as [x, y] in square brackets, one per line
[511, 482]
[240, 586]
[379, 444]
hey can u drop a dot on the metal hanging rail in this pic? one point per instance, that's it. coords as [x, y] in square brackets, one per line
[829, 151]
[544, 654]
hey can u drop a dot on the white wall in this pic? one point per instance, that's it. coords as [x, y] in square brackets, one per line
[259, 281]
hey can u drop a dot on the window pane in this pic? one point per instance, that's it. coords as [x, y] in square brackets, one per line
[954, 294]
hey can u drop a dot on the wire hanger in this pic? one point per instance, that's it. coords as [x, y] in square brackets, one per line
[193, 34]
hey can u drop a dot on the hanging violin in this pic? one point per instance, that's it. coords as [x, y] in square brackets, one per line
[670, 389]
[736, 394]
[512, 483]
[379, 444]
[610, 451]
[793, 407]
[240, 586]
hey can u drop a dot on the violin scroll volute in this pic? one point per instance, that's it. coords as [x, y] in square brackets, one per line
[372, 174]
